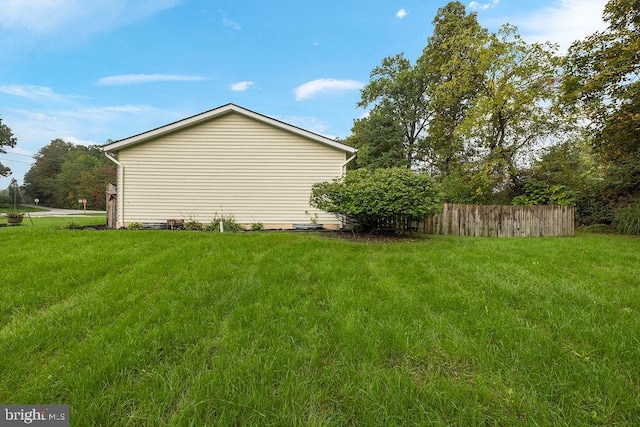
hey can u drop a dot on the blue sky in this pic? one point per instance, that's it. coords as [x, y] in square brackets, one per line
[89, 71]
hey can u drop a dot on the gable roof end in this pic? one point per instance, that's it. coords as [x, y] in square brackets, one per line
[207, 115]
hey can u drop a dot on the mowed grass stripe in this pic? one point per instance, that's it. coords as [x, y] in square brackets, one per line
[180, 328]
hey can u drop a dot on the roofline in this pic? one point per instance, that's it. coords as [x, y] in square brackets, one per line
[207, 115]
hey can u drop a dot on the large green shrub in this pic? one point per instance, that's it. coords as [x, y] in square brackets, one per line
[380, 198]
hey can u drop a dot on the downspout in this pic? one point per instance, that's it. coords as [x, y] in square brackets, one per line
[344, 170]
[120, 218]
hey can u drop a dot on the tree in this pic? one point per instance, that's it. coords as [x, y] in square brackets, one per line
[570, 163]
[6, 140]
[379, 198]
[513, 109]
[452, 61]
[417, 107]
[40, 178]
[473, 105]
[64, 173]
[399, 91]
[77, 179]
[602, 79]
[378, 138]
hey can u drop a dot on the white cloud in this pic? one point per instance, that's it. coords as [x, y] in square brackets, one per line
[47, 19]
[563, 23]
[320, 86]
[79, 141]
[30, 92]
[129, 79]
[241, 86]
[231, 24]
[67, 120]
[39, 116]
[483, 6]
[127, 109]
[401, 13]
[309, 123]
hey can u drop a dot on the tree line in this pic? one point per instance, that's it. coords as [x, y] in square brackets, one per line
[497, 120]
[64, 173]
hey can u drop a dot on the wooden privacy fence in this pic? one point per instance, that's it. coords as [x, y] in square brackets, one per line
[502, 221]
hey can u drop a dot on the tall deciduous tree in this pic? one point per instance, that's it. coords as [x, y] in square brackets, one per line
[6, 140]
[399, 91]
[602, 78]
[452, 60]
[40, 179]
[513, 109]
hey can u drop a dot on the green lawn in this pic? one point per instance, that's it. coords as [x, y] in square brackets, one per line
[9, 208]
[192, 328]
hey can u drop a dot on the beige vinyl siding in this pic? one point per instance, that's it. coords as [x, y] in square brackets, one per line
[231, 164]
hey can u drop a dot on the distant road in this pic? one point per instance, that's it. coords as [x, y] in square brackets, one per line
[62, 212]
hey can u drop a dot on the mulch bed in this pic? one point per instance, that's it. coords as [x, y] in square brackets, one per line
[93, 227]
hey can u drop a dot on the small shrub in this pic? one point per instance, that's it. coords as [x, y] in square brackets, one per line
[214, 225]
[535, 193]
[193, 225]
[257, 226]
[228, 223]
[135, 226]
[627, 220]
[313, 218]
[562, 196]
[70, 226]
[539, 193]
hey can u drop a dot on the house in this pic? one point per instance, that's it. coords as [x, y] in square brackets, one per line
[226, 161]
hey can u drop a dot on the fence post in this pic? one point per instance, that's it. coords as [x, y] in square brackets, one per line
[112, 206]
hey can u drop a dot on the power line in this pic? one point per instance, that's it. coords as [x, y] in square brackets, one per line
[11, 153]
[17, 161]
